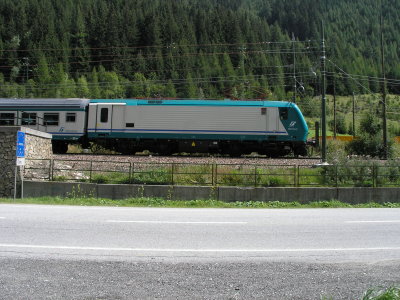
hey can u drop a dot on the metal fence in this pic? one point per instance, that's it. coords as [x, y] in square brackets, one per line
[251, 175]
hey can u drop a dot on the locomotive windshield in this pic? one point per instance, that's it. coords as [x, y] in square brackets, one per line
[283, 113]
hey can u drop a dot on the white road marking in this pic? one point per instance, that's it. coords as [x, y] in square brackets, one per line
[198, 250]
[376, 221]
[173, 222]
[2, 217]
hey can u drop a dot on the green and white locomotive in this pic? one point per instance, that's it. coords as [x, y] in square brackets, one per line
[273, 128]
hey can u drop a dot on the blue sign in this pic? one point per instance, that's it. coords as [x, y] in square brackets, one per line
[20, 144]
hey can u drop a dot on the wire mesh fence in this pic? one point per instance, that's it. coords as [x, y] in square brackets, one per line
[255, 175]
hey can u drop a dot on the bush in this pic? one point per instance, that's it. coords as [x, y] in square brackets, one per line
[340, 124]
[275, 181]
[100, 178]
[369, 143]
[336, 151]
[60, 178]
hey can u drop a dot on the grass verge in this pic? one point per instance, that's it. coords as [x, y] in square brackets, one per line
[159, 202]
[391, 293]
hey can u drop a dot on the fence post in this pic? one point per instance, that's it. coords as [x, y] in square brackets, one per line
[51, 166]
[255, 176]
[130, 172]
[90, 172]
[172, 173]
[216, 174]
[133, 172]
[212, 175]
[336, 176]
[298, 175]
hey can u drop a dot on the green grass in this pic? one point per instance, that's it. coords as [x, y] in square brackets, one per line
[359, 174]
[159, 202]
[364, 104]
[391, 293]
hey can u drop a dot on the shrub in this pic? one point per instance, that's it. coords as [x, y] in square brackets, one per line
[336, 151]
[60, 178]
[367, 145]
[276, 181]
[100, 178]
[370, 141]
[340, 124]
[157, 176]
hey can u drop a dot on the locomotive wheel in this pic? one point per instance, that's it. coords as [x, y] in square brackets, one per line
[125, 149]
[300, 151]
[235, 151]
[167, 149]
[272, 154]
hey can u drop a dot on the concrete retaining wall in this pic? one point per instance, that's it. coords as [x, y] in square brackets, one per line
[37, 145]
[227, 194]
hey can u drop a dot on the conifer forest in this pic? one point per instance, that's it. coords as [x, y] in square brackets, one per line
[208, 49]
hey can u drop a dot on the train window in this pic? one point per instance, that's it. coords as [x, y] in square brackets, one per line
[70, 117]
[104, 115]
[284, 113]
[28, 118]
[50, 119]
[7, 119]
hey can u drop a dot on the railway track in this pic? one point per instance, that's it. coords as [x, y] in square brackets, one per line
[250, 160]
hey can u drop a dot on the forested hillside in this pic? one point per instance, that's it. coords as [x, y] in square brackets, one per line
[193, 48]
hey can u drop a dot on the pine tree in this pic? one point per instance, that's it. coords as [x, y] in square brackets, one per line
[80, 50]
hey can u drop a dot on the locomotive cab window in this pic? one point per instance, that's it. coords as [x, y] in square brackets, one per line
[284, 113]
[104, 115]
[28, 118]
[7, 119]
[70, 117]
[50, 119]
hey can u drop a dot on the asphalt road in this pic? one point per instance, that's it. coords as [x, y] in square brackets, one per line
[65, 252]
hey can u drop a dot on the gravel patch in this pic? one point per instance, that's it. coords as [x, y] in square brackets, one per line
[192, 159]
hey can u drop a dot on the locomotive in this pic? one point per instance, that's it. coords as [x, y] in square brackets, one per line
[272, 128]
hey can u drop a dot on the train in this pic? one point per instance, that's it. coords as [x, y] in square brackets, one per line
[165, 127]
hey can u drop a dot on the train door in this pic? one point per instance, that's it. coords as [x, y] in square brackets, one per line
[109, 116]
[104, 117]
[272, 120]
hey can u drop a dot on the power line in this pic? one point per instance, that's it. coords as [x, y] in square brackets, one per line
[131, 72]
[370, 78]
[255, 52]
[169, 46]
[177, 81]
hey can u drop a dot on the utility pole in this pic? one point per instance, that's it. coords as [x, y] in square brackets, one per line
[334, 107]
[354, 117]
[323, 104]
[26, 65]
[294, 69]
[384, 123]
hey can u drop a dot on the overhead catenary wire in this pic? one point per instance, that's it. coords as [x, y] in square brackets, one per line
[165, 70]
[195, 54]
[369, 78]
[181, 80]
[167, 46]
